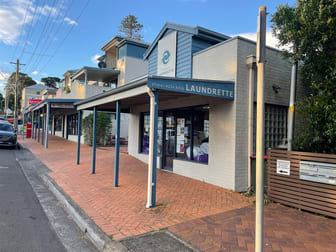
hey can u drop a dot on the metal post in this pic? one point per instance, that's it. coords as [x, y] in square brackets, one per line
[79, 133]
[94, 131]
[63, 127]
[291, 108]
[39, 126]
[43, 124]
[117, 145]
[155, 136]
[152, 157]
[251, 64]
[33, 128]
[47, 126]
[261, 40]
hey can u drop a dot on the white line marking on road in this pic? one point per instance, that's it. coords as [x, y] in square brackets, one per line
[3, 167]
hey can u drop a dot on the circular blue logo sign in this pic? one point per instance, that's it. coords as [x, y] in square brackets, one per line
[165, 57]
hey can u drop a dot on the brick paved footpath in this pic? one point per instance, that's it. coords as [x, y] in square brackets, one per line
[210, 217]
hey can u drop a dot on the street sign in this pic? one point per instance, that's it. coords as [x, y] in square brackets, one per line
[34, 101]
[283, 167]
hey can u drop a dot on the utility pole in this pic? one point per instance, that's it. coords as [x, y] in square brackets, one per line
[261, 51]
[16, 91]
[291, 107]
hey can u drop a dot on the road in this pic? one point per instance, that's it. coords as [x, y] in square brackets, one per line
[23, 223]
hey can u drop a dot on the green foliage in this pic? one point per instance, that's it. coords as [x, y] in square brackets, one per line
[308, 30]
[24, 81]
[51, 81]
[131, 27]
[104, 126]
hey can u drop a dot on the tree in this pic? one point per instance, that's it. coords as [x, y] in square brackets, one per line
[131, 27]
[309, 31]
[24, 81]
[2, 103]
[104, 126]
[51, 81]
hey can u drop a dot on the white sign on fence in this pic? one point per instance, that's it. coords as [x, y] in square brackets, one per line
[283, 167]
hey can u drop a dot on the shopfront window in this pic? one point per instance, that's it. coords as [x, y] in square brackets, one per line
[185, 131]
[58, 123]
[73, 124]
[145, 125]
[201, 134]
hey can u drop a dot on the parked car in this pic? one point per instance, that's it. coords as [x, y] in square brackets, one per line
[7, 135]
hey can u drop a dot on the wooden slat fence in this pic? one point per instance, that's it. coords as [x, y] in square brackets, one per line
[293, 191]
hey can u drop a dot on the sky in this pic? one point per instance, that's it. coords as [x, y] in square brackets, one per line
[53, 36]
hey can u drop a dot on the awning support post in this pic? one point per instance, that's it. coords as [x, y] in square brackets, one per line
[47, 126]
[39, 126]
[43, 119]
[79, 133]
[94, 131]
[33, 133]
[117, 145]
[152, 162]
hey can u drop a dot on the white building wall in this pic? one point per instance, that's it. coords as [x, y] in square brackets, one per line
[219, 63]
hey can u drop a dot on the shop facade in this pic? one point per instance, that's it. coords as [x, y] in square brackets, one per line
[194, 113]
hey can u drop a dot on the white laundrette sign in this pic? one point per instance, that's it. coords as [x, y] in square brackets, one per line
[167, 55]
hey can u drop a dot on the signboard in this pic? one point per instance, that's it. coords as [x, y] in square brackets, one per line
[283, 167]
[167, 55]
[318, 172]
[219, 89]
[34, 101]
[62, 105]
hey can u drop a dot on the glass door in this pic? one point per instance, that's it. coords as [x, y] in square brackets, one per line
[169, 141]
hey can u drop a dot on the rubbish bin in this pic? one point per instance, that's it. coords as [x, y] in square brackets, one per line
[253, 172]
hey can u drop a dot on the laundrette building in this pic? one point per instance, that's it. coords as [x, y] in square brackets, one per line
[200, 93]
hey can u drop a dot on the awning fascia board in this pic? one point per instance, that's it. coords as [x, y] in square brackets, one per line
[113, 97]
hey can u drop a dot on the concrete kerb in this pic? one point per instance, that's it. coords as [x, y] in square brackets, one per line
[100, 240]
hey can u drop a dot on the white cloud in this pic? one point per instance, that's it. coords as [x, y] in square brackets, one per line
[12, 13]
[47, 10]
[2, 85]
[271, 40]
[70, 21]
[12, 17]
[94, 58]
[4, 76]
[35, 73]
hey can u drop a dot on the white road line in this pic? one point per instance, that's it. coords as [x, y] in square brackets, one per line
[3, 167]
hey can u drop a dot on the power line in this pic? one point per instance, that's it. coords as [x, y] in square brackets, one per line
[30, 29]
[21, 30]
[56, 31]
[67, 35]
[49, 31]
[44, 27]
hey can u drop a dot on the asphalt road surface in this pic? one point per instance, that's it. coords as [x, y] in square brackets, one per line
[23, 224]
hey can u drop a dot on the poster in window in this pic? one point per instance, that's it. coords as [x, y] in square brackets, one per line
[180, 135]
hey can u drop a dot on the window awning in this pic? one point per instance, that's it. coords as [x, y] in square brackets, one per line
[96, 74]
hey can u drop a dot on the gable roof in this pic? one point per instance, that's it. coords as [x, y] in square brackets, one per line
[198, 31]
[40, 87]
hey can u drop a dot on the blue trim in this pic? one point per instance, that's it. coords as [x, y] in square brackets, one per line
[117, 145]
[94, 133]
[156, 115]
[79, 133]
[32, 116]
[42, 136]
[220, 89]
[39, 126]
[47, 126]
